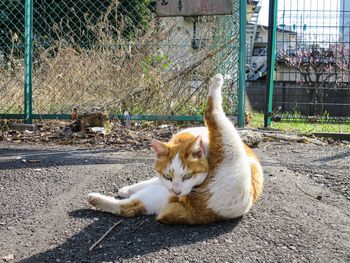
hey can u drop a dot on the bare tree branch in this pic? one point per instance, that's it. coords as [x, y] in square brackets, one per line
[318, 66]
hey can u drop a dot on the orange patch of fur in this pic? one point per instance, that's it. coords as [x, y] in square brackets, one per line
[190, 209]
[257, 182]
[182, 138]
[257, 177]
[250, 152]
[182, 144]
[163, 161]
[133, 208]
[216, 152]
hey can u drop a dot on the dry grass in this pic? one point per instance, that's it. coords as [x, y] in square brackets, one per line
[151, 74]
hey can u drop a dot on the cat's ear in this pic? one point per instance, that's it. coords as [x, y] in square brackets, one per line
[159, 148]
[197, 147]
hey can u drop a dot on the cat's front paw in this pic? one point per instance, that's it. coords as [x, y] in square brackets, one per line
[217, 81]
[125, 192]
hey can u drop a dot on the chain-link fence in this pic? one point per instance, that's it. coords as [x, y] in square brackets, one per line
[11, 56]
[115, 55]
[313, 58]
[312, 67]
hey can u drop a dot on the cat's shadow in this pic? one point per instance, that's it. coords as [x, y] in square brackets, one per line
[133, 237]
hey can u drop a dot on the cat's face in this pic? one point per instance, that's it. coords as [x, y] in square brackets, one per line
[181, 166]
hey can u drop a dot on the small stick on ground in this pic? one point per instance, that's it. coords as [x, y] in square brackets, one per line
[298, 186]
[105, 234]
[136, 228]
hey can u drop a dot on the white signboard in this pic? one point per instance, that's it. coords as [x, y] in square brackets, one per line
[193, 7]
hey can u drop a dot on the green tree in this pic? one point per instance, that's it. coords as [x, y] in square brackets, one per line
[74, 21]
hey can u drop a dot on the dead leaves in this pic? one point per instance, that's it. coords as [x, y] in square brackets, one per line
[134, 138]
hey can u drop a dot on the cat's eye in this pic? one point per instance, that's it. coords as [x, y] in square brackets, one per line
[187, 176]
[168, 177]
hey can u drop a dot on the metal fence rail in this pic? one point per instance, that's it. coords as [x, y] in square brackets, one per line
[115, 55]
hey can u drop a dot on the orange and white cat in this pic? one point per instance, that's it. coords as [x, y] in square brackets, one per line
[204, 174]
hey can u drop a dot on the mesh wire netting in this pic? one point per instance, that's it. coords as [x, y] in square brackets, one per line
[312, 58]
[116, 55]
[11, 56]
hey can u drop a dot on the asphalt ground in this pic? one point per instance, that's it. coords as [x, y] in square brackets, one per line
[302, 216]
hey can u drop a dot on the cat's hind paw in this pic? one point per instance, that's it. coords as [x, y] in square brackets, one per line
[93, 199]
[125, 192]
[217, 81]
[103, 202]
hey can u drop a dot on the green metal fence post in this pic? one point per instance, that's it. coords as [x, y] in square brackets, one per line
[271, 51]
[28, 60]
[242, 60]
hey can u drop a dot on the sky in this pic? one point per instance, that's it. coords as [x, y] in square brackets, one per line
[311, 5]
[264, 13]
[314, 20]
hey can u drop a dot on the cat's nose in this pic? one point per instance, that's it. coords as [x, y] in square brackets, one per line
[176, 192]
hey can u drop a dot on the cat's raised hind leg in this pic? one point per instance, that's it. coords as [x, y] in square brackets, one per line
[224, 140]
